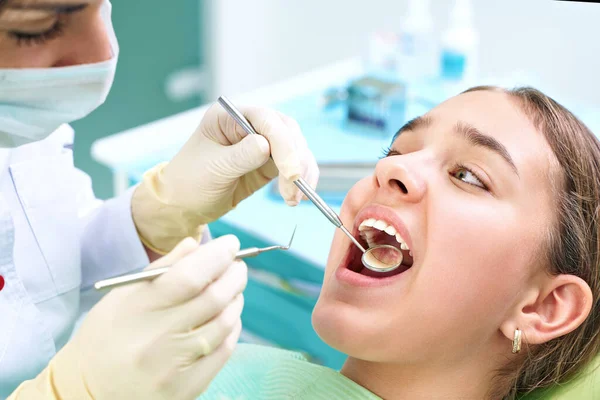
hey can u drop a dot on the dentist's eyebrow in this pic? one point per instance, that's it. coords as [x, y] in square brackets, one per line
[480, 139]
[64, 6]
[56, 8]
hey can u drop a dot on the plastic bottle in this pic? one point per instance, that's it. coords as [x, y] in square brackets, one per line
[459, 44]
[382, 54]
[418, 52]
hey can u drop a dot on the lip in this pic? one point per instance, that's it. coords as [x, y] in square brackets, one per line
[352, 278]
[387, 214]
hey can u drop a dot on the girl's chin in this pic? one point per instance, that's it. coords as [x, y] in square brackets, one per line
[328, 322]
[340, 326]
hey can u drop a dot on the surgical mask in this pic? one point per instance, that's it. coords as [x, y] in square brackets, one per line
[35, 102]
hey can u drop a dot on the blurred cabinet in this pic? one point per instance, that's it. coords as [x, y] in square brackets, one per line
[159, 74]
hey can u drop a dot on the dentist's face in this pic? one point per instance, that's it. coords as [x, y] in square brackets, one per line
[468, 189]
[52, 33]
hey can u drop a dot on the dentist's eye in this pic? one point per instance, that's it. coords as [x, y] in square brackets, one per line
[466, 175]
[30, 39]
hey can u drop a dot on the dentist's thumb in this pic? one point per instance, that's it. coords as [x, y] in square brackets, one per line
[249, 154]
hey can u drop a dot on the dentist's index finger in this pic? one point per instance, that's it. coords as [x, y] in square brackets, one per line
[285, 137]
[187, 278]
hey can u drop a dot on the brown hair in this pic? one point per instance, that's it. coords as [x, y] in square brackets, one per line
[573, 245]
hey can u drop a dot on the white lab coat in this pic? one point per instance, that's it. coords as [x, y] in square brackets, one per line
[56, 240]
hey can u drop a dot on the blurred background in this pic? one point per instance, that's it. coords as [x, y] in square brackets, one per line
[179, 56]
[351, 72]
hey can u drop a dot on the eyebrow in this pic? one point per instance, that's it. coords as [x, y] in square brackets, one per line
[414, 124]
[57, 7]
[467, 132]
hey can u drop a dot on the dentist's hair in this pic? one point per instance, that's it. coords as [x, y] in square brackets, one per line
[573, 245]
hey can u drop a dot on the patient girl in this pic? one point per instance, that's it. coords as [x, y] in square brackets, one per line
[494, 197]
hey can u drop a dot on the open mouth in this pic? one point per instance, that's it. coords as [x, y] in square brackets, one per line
[371, 232]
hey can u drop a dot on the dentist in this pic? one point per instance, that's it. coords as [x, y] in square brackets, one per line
[162, 339]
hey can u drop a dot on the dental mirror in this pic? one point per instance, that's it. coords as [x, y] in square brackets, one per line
[382, 258]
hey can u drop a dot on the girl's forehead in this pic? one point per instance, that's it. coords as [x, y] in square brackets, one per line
[496, 114]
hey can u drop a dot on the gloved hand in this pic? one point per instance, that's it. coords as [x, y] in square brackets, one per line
[160, 339]
[218, 167]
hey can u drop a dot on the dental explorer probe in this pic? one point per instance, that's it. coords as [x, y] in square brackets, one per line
[121, 280]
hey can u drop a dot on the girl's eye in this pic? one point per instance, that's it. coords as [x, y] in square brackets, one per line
[459, 171]
[388, 152]
[32, 39]
[466, 175]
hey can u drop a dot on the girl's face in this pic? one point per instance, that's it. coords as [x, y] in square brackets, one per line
[52, 33]
[468, 188]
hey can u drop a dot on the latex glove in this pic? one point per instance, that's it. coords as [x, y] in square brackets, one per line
[219, 166]
[160, 339]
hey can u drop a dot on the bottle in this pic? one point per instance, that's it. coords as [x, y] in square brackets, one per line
[459, 44]
[418, 49]
[381, 54]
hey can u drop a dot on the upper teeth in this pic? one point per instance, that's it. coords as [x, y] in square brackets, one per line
[385, 227]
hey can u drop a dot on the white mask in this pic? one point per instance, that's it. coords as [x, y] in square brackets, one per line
[34, 102]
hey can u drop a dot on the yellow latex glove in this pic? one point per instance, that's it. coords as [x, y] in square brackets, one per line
[219, 166]
[161, 339]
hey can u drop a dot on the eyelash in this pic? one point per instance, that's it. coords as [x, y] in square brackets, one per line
[31, 39]
[388, 152]
[458, 167]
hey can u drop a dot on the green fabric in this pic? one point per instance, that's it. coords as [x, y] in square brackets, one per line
[584, 387]
[265, 373]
